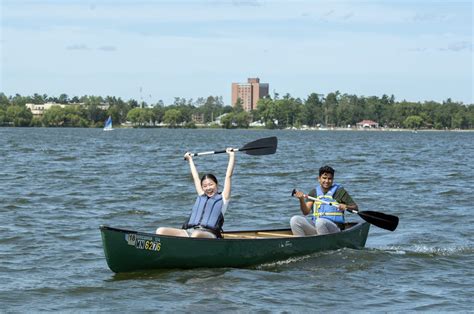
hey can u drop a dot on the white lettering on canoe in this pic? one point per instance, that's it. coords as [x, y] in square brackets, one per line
[143, 242]
[131, 238]
[286, 244]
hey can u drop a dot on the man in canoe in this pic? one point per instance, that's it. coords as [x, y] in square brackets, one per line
[327, 213]
[207, 215]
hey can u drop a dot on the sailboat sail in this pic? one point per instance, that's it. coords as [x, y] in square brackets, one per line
[108, 124]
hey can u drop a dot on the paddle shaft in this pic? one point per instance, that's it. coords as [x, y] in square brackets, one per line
[213, 152]
[329, 203]
[381, 220]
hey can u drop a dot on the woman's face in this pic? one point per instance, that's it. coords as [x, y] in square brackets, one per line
[209, 187]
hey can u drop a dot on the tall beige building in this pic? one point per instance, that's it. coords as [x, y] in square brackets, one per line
[249, 93]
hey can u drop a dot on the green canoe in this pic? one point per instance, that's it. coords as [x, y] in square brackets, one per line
[127, 250]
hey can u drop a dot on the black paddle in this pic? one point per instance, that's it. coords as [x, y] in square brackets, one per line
[263, 146]
[381, 220]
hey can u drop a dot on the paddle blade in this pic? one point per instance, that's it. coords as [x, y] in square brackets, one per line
[263, 146]
[380, 220]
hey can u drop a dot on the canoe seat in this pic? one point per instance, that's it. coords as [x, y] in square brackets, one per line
[272, 234]
[238, 236]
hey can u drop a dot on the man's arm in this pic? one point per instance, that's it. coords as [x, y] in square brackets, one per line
[304, 206]
[345, 200]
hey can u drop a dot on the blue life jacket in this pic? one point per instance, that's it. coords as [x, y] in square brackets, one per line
[327, 211]
[207, 213]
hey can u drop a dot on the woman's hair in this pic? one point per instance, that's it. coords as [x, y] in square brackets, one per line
[209, 176]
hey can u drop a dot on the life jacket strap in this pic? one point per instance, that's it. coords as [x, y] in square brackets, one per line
[318, 214]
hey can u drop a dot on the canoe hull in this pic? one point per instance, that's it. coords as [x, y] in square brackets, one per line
[127, 250]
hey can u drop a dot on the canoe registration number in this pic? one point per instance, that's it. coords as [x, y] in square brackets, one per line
[143, 242]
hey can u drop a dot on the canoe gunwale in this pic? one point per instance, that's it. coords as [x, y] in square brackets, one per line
[237, 232]
[349, 228]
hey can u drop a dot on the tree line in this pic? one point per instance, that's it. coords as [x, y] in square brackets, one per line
[334, 109]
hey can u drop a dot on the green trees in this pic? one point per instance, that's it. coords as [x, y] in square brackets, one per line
[3, 109]
[158, 113]
[54, 116]
[75, 116]
[342, 110]
[141, 116]
[266, 112]
[334, 109]
[172, 117]
[70, 116]
[18, 115]
[413, 122]
[3, 116]
[211, 107]
[312, 111]
[236, 119]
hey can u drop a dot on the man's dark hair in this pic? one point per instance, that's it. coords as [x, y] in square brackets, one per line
[326, 169]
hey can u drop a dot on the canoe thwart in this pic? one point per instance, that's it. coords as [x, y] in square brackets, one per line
[258, 235]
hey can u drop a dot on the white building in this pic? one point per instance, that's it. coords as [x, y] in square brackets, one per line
[38, 109]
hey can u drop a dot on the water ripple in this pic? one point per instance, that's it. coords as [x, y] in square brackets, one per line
[58, 185]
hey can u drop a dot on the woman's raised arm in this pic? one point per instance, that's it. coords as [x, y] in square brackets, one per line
[228, 174]
[194, 172]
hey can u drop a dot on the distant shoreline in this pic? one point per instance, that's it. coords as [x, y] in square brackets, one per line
[260, 128]
[389, 130]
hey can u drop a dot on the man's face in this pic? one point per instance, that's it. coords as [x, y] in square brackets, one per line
[325, 180]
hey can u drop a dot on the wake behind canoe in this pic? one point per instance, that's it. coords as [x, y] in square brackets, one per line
[127, 250]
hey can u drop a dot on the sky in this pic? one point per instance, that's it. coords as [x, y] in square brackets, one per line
[158, 50]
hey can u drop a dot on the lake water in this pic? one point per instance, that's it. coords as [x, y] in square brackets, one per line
[58, 185]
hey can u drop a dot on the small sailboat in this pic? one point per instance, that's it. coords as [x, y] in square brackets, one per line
[108, 124]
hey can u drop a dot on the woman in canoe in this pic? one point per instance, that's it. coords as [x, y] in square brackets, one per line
[207, 215]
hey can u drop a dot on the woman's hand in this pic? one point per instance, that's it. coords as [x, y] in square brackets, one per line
[230, 151]
[188, 156]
